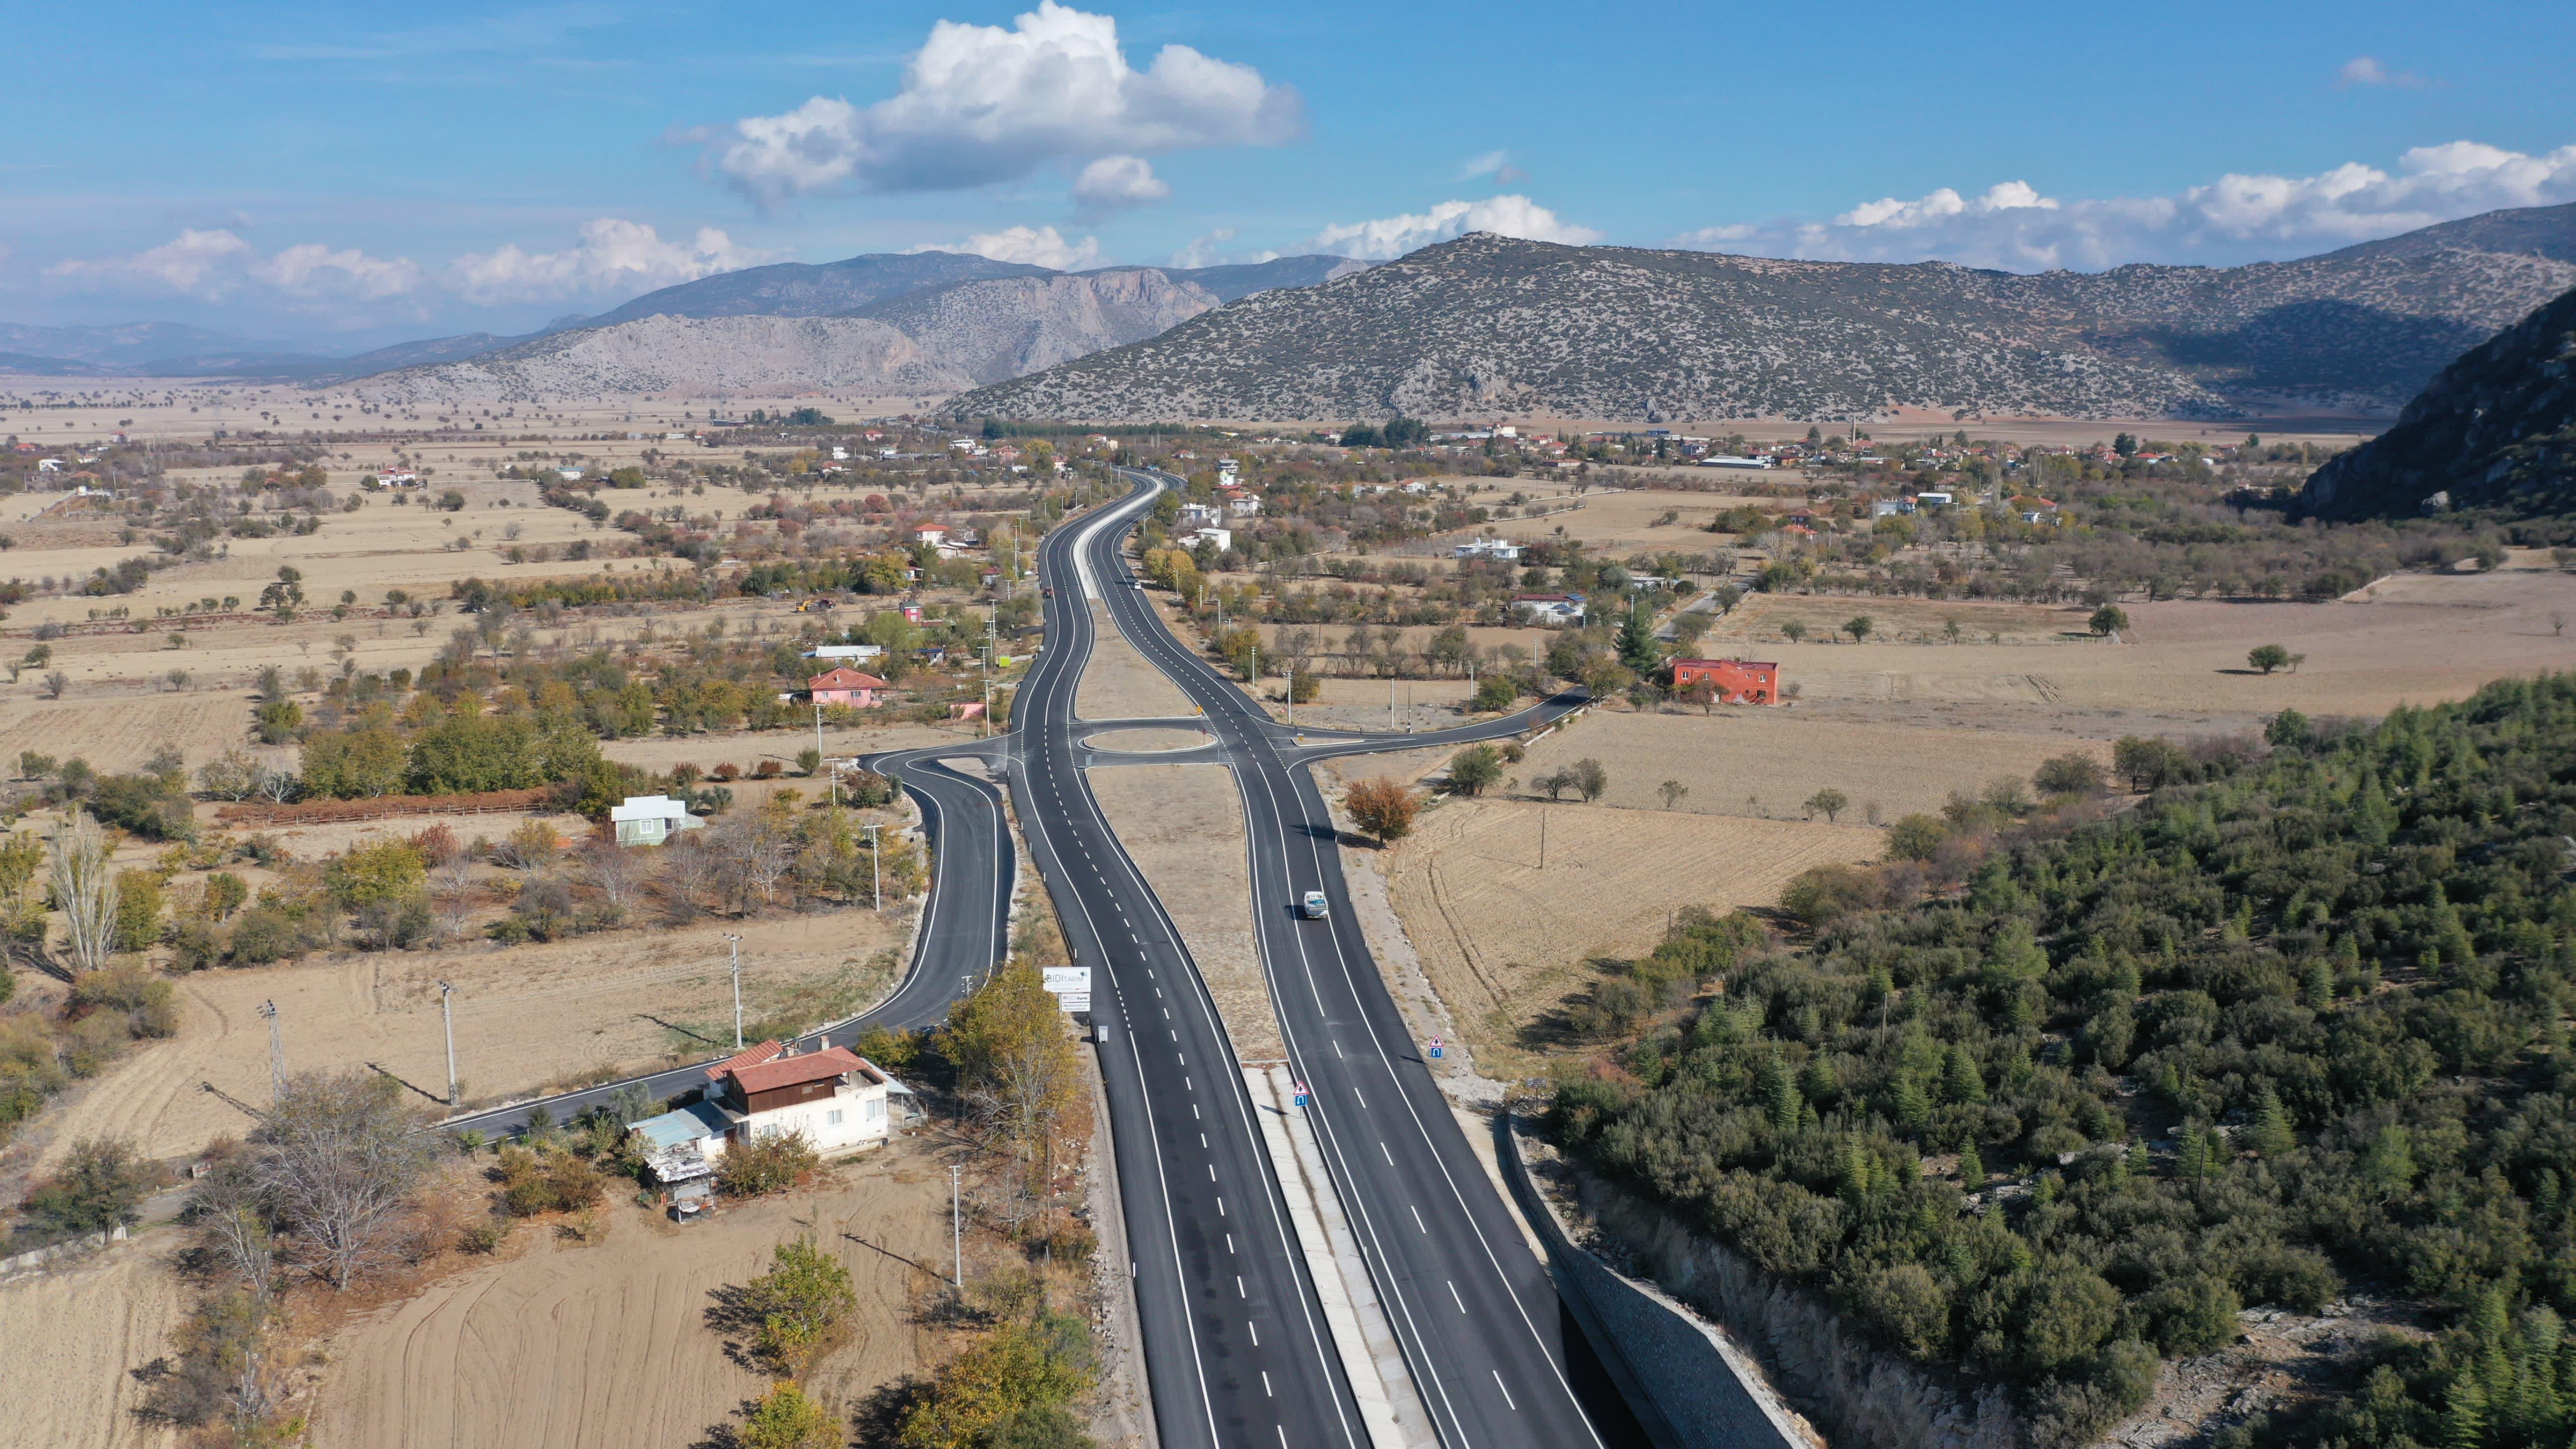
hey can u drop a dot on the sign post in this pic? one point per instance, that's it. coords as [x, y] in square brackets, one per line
[1071, 986]
[1437, 1048]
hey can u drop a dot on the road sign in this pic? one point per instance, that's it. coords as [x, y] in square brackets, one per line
[1436, 1049]
[1072, 988]
[1301, 1094]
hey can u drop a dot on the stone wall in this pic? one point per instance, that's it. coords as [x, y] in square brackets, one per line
[1689, 1386]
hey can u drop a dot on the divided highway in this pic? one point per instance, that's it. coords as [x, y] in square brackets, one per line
[1473, 1308]
[1235, 1344]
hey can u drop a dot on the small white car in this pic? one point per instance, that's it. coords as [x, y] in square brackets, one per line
[1313, 906]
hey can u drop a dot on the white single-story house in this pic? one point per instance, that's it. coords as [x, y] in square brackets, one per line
[838, 1099]
[1503, 549]
[1223, 538]
[1199, 515]
[651, 819]
[1243, 506]
[1549, 608]
[845, 651]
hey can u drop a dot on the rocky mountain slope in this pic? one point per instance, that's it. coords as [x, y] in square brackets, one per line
[692, 356]
[2547, 231]
[795, 289]
[2497, 429]
[1008, 326]
[1488, 324]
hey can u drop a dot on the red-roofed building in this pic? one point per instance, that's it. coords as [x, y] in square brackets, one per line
[835, 1097]
[1730, 681]
[846, 686]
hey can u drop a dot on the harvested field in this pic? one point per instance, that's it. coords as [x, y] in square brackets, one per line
[74, 1335]
[525, 1016]
[1504, 942]
[2180, 667]
[120, 733]
[1758, 620]
[1763, 763]
[1184, 826]
[1119, 683]
[606, 1347]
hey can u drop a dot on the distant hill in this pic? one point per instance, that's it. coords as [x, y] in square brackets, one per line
[796, 289]
[1006, 326]
[2546, 231]
[1488, 324]
[2497, 429]
[129, 346]
[24, 364]
[697, 356]
[986, 320]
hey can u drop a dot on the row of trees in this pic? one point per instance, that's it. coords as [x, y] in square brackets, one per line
[2298, 1021]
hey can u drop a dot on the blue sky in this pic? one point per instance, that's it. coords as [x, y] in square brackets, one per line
[330, 175]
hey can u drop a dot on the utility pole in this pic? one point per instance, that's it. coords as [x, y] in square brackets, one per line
[876, 864]
[1542, 840]
[736, 942]
[276, 1054]
[957, 1226]
[447, 1018]
[818, 727]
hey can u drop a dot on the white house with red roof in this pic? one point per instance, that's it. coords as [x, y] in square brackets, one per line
[846, 686]
[838, 1100]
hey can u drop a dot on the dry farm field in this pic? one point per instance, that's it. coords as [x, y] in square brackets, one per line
[528, 1015]
[606, 1346]
[1120, 683]
[1183, 824]
[1505, 941]
[75, 1332]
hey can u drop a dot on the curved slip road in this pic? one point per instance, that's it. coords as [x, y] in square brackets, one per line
[965, 930]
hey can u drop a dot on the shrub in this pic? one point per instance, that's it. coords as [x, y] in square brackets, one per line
[1824, 893]
[803, 1305]
[2070, 774]
[265, 934]
[767, 1165]
[1383, 808]
[545, 1180]
[101, 1185]
[129, 992]
[1475, 770]
[1916, 837]
[784, 1418]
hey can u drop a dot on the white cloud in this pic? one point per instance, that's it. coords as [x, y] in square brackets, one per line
[614, 255]
[1393, 236]
[2363, 70]
[1037, 246]
[1116, 181]
[312, 270]
[2237, 218]
[1496, 164]
[981, 104]
[208, 265]
[1202, 251]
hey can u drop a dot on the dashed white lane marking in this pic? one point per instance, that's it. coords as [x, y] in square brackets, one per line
[1417, 1220]
[1390, 1157]
[1507, 1392]
[1454, 1298]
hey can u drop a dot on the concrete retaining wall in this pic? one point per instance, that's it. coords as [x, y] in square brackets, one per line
[35, 1258]
[1689, 1386]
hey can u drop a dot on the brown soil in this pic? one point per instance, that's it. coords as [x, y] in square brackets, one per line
[1118, 683]
[73, 1334]
[1183, 824]
[1150, 740]
[606, 1345]
[1505, 942]
[1765, 763]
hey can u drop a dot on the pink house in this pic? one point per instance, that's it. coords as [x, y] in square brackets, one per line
[846, 686]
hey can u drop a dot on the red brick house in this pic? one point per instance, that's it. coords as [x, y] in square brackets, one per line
[846, 686]
[1736, 681]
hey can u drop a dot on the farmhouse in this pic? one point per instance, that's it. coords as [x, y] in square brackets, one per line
[836, 1098]
[845, 685]
[1733, 681]
[651, 819]
[1503, 550]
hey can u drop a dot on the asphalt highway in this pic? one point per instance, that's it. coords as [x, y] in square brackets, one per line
[1236, 1349]
[1481, 1328]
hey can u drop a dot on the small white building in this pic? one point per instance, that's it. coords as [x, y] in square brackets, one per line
[1199, 515]
[1501, 549]
[845, 651]
[569, 475]
[1223, 538]
[1243, 506]
[1549, 608]
[651, 819]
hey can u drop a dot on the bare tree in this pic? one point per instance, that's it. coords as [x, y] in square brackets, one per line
[337, 1160]
[453, 885]
[753, 856]
[84, 890]
[277, 786]
[232, 775]
[615, 872]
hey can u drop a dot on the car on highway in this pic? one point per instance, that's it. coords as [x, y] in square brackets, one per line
[1313, 906]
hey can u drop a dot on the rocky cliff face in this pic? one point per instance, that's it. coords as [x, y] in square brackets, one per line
[1005, 327]
[2495, 430]
[1489, 324]
[710, 356]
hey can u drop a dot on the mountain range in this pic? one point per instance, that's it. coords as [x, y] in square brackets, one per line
[1493, 325]
[2495, 430]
